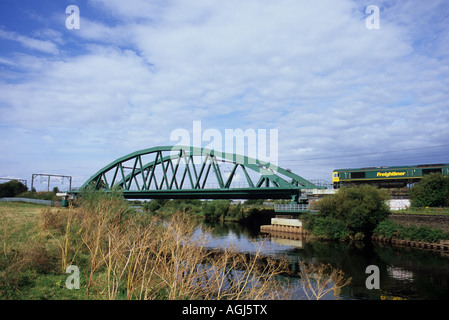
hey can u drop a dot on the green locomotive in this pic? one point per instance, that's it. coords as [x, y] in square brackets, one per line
[386, 177]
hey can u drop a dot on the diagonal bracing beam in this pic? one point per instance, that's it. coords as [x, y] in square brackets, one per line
[168, 161]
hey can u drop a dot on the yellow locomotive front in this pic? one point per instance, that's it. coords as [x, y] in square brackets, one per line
[335, 179]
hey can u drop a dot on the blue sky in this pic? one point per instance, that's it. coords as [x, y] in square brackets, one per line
[339, 94]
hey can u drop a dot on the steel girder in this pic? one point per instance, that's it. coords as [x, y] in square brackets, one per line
[170, 172]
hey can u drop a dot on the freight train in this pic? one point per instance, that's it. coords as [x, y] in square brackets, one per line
[386, 177]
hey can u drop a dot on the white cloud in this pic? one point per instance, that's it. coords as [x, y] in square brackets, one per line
[310, 69]
[30, 43]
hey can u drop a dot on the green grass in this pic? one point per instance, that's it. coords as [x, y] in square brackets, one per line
[31, 285]
[426, 210]
[22, 207]
[28, 258]
[390, 229]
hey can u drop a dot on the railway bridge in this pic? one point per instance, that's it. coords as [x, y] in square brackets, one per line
[186, 172]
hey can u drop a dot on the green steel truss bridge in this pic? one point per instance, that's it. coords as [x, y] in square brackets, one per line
[184, 172]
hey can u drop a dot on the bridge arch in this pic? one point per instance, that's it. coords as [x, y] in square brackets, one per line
[176, 172]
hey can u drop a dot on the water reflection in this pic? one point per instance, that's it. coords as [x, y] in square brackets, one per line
[405, 273]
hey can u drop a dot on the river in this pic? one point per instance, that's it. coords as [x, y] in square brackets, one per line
[404, 273]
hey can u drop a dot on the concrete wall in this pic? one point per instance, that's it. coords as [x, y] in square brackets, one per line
[398, 204]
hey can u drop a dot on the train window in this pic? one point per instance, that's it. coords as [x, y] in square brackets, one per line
[335, 174]
[428, 171]
[357, 175]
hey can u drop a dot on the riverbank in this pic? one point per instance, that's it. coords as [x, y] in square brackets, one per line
[120, 253]
[442, 245]
[434, 221]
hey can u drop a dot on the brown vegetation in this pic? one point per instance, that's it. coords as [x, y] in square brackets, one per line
[124, 254]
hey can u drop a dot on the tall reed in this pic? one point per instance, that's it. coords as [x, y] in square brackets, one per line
[134, 256]
[124, 254]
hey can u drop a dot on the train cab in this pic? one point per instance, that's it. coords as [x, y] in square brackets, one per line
[335, 179]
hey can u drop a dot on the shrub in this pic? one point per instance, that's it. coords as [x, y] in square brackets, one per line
[329, 228]
[431, 191]
[36, 257]
[359, 208]
[387, 229]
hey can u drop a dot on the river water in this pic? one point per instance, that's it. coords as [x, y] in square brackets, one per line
[404, 273]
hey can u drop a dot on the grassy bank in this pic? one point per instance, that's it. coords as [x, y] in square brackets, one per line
[121, 254]
[29, 266]
[389, 229]
[425, 210]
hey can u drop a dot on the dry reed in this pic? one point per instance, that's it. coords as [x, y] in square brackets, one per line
[124, 254]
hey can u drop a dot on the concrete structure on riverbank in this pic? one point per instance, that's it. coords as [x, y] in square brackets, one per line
[283, 224]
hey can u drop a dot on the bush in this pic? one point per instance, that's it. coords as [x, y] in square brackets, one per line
[359, 208]
[36, 257]
[328, 228]
[387, 229]
[431, 191]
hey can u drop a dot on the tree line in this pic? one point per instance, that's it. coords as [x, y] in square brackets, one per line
[16, 188]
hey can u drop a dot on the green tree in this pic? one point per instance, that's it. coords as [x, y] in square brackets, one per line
[216, 209]
[360, 208]
[221, 207]
[208, 209]
[12, 188]
[431, 191]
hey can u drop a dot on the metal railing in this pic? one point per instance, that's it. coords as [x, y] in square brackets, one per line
[36, 201]
[291, 207]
